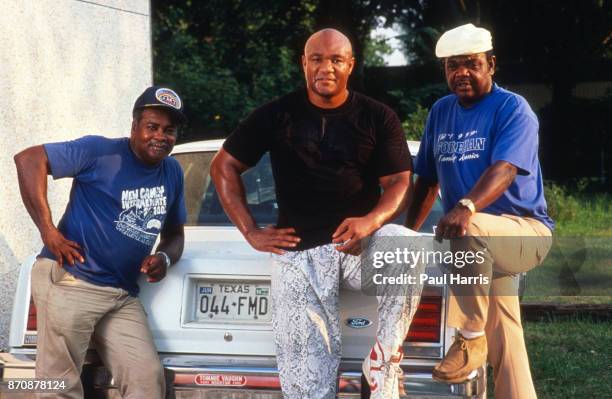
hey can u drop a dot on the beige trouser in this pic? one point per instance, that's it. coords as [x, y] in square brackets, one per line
[520, 245]
[71, 313]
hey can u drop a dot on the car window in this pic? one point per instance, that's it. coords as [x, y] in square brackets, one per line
[201, 199]
[204, 207]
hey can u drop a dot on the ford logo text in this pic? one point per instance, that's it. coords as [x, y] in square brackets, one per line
[358, 322]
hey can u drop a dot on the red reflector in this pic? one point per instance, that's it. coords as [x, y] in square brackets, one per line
[423, 336]
[425, 326]
[31, 326]
[429, 307]
[422, 321]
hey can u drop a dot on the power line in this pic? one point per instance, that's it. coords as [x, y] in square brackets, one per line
[112, 8]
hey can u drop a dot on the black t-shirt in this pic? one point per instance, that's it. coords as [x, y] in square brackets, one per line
[326, 162]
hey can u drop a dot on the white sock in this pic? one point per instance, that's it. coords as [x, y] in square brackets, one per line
[471, 334]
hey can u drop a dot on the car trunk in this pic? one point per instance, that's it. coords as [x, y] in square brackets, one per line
[220, 275]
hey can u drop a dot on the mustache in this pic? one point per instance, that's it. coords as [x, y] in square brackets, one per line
[460, 81]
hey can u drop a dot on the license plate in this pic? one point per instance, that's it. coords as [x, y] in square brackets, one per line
[233, 301]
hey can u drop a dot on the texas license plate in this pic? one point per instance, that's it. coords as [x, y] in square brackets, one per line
[233, 301]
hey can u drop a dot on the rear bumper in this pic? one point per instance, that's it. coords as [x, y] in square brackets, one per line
[259, 379]
[20, 365]
[189, 375]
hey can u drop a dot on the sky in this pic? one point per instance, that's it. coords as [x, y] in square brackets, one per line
[397, 58]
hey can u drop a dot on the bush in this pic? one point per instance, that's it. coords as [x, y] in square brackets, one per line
[414, 126]
[413, 106]
[562, 206]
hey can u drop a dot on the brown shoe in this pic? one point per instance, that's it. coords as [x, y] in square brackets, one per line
[463, 357]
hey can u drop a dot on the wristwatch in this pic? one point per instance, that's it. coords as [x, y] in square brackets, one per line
[164, 255]
[468, 204]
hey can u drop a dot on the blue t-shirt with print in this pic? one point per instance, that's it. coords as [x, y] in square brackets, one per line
[461, 143]
[117, 207]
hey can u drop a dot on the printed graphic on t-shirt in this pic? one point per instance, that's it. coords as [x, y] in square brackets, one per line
[144, 210]
[452, 147]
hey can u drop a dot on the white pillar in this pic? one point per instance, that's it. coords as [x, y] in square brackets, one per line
[67, 68]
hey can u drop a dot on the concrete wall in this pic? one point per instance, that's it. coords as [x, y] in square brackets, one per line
[67, 68]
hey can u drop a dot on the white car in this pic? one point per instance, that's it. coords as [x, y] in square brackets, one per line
[211, 315]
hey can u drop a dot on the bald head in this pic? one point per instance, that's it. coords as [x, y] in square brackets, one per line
[330, 39]
[327, 62]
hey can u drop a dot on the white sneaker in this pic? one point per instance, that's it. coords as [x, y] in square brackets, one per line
[383, 375]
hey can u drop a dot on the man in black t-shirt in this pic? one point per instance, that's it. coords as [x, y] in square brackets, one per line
[331, 150]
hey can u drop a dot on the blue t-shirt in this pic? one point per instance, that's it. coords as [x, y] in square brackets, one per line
[117, 206]
[461, 143]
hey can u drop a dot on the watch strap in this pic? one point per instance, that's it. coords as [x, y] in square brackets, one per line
[164, 255]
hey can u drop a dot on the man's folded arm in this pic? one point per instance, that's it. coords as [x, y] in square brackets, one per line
[225, 171]
[490, 186]
[420, 202]
[493, 182]
[32, 170]
[392, 202]
[172, 241]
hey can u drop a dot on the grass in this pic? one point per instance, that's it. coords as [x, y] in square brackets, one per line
[578, 270]
[569, 300]
[574, 267]
[569, 358]
[578, 213]
[593, 217]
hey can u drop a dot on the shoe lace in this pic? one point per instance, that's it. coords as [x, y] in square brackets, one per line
[462, 343]
[392, 366]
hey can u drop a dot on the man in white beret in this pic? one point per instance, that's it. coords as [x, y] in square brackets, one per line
[480, 149]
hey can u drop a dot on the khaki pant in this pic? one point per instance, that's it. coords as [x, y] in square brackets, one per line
[521, 244]
[71, 313]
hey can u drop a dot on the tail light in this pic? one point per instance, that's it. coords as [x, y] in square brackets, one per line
[427, 320]
[31, 335]
[31, 326]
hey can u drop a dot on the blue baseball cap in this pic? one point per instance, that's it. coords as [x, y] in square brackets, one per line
[161, 97]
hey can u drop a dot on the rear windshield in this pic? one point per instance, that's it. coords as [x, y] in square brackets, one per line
[204, 207]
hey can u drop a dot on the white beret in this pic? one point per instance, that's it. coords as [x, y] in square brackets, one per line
[462, 40]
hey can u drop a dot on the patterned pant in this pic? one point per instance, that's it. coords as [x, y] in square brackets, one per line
[305, 287]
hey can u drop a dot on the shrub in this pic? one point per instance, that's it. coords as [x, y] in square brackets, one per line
[414, 125]
[562, 206]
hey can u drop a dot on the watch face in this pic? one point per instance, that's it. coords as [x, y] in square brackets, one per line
[468, 204]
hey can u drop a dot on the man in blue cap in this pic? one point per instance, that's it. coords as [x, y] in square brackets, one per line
[125, 193]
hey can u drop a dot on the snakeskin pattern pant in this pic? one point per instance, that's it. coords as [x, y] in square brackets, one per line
[305, 291]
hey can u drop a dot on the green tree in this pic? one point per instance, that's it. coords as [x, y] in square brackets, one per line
[414, 125]
[374, 51]
[228, 56]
